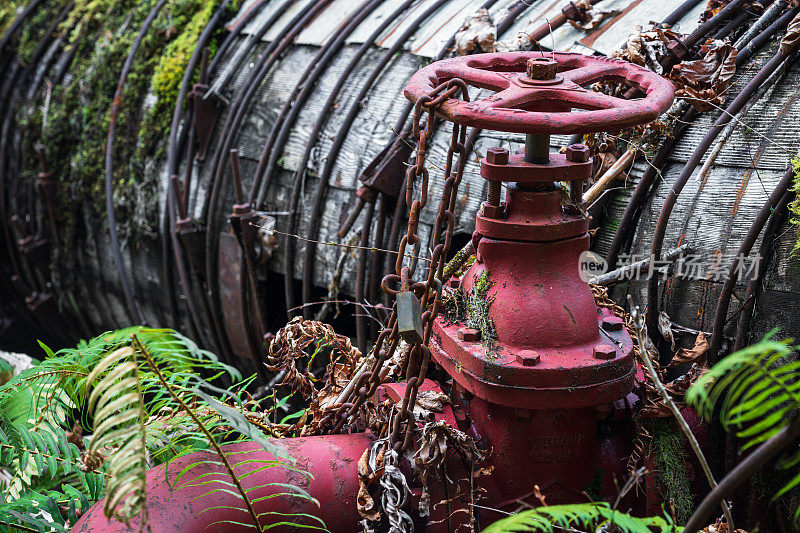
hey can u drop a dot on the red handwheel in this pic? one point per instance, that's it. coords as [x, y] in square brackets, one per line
[544, 93]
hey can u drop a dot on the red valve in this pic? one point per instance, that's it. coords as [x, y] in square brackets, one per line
[536, 92]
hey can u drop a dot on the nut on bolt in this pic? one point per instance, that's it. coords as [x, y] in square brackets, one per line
[613, 323]
[541, 68]
[528, 357]
[469, 335]
[604, 351]
[577, 153]
[497, 156]
[493, 211]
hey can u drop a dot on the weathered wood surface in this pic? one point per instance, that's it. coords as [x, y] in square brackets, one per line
[713, 218]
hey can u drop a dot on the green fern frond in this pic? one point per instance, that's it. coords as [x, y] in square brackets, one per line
[757, 393]
[757, 390]
[589, 516]
[117, 407]
[144, 395]
[38, 455]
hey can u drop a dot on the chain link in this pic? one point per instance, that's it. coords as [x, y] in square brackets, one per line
[429, 290]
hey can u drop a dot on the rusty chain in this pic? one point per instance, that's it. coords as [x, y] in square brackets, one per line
[430, 290]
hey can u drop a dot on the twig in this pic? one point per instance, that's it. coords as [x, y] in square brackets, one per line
[337, 244]
[632, 481]
[458, 260]
[632, 270]
[638, 323]
[610, 175]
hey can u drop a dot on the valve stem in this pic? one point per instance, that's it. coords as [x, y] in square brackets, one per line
[537, 148]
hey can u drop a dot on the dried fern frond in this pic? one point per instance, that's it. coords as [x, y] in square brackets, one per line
[290, 345]
[117, 407]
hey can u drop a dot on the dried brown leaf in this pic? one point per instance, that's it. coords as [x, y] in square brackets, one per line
[714, 6]
[478, 33]
[647, 48]
[657, 409]
[591, 17]
[706, 80]
[364, 501]
[665, 328]
[695, 354]
[720, 526]
[792, 37]
[430, 401]
[603, 161]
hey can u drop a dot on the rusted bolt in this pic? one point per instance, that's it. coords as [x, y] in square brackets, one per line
[493, 195]
[541, 68]
[493, 211]
[613, 323]
[577, 153]
[677, 49]
[469, 334]
[497, 156]
[528, 357]
[241, 209]
[604, 351]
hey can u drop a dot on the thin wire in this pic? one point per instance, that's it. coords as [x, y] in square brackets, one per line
[549, 26]
[734, 118]
[336, 244]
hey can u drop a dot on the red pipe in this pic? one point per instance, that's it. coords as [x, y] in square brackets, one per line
[333, 460]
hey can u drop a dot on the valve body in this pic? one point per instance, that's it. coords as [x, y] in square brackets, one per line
[555, 356]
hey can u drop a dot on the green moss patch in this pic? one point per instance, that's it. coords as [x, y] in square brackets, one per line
[794, 207]
[667, 450]
[478, 304]
[101, 33]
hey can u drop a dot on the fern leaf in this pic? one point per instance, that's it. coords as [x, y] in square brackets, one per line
[117, 407]
[590, 516]
[757, 391]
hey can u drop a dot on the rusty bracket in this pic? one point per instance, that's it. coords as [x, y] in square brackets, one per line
[193, 242]
[190, 236]
[574, 12]
[243, 218]
[207, 109]
[385, 174]
[244, 225]
[243, 222]
[35, 250]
